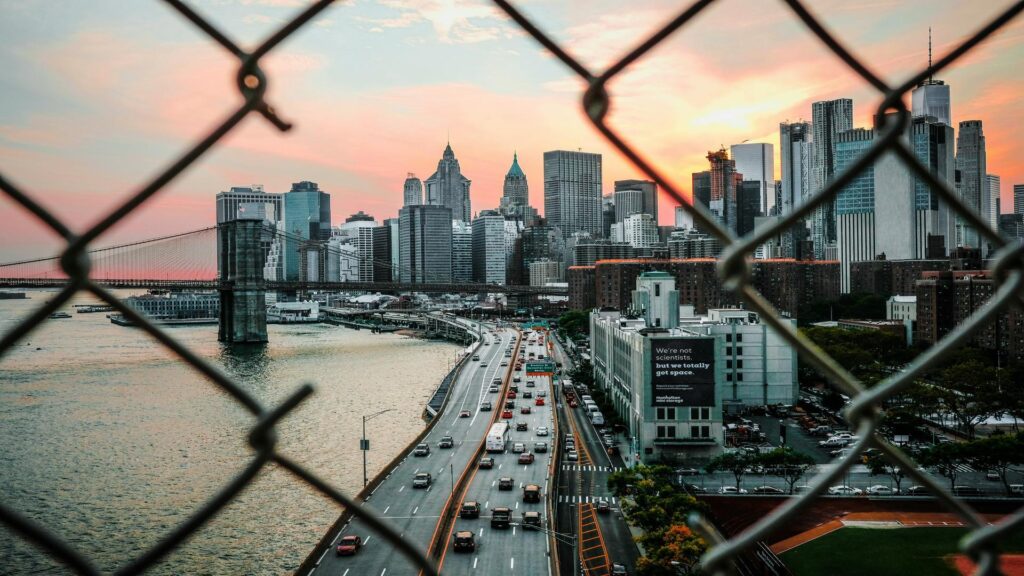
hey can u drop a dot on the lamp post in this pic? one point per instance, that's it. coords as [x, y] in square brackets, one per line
[364, 444]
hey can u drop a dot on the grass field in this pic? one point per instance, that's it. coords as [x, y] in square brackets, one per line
[881, 552]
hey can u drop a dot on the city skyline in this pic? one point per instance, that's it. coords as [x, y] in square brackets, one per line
[106, 130]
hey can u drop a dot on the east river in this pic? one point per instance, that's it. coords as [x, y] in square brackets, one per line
[109, 440]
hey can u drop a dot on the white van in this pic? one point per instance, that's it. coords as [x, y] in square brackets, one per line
[586, 399]
[597, 418]
[593, 409]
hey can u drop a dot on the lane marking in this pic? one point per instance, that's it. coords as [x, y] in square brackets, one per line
[322, 556]
[385, 511]
[416, 509]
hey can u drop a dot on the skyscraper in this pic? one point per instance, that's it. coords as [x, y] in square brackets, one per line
[971, 162]
[462, 251]
[993, 181]
[425, 244]
[489, 247]
[723, 188]
[828, 119]
[932, 143]
[448, 187]
[749, 194]
[1018, 198]
[931, 97]
[756, 161]
[515, 197]
[638, 196]
[413, 191]
[572, 192]
[797, 157]
[307, 211]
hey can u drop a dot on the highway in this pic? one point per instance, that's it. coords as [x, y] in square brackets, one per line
[415, 512]
[513, 550]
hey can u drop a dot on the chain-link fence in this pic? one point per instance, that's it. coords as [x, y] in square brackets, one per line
[891, 122]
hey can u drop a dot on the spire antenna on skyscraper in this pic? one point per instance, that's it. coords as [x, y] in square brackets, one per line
[930, 74]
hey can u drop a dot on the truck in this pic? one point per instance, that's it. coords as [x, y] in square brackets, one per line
[497, 437]
[501, 517]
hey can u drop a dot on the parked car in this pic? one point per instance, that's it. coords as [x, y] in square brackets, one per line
[917, 491]
[880, 490]
[844, 491]
[619, 570]
[505, 483]
[542, 431]
[446, 442]
[768, 490]
[487, 463]
[992, 475]
[422, 480]
[470, 509]
[349, 545]
[967, 491]
[731, 490]
[685, 471]
[526, 458]
[422, 449]
[694, 489]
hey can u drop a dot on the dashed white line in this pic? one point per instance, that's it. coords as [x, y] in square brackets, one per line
[386, 509]
[414, 510]
[512, 564]
[400, 488]
[322, 556]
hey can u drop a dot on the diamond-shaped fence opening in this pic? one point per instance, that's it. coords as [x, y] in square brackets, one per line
[891, 121]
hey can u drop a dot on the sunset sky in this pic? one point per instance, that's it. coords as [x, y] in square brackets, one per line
[99, 96]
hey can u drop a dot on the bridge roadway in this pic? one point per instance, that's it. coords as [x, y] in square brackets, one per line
[415, 512]
[511, 551]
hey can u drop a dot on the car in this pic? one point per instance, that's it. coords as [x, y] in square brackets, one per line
[496, 381]
[833, 442]
[526, 458]
[528, 394]
[493, 389]
[530, 383]
[422, 480]
[483, 364]
[349, 545]
[505, 483]
[619, 570]
[731, 490]
[501, 517]
[602, 506]
[531, 493]
[880, 490]
[917, 491]
[525, 410]
[572, 455]
[504, 362]
[801, 489]
[446, 442]
[531, 521]
[487, 462]
[506, 414]
[573, 404]
[515, 378]
[694, 489]
[542, 431]
[518, 448]
[522, 427]
[991, 475]
[967, 491]
[542, 393]
[476, 358]
[485, 407]
[514, 388]
[465, 414]
[422, 449]
[470, 509]
[540, 446]
[767, 490]
[844, 491]
[683, 471]
[539, 402]
[511, 395]
[464, 541]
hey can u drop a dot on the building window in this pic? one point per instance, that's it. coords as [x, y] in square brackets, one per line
[700, 413]
[728, 376]
[739, 351]
[666, 431]
[700, 431]
[739, 376]
[728, 337]
[739, 363]
[728, 350]
[728, 363]
[657, 290]
[666, 413]
[739, 337]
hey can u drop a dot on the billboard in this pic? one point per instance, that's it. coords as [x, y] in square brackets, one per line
[682, 372]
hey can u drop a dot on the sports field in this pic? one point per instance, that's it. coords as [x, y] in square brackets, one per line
[915, 551]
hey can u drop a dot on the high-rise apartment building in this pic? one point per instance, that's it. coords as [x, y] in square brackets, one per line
[993, 183]
[797, 161]
[1018, 198]
[640, 230]
[462, 251]
[971, 162]
[412, 194]
[448, 187]
[572, 192]
[307, 211]
[635, 197]
[756, 161]
[489, 247]
[425, 244]
[828, 119]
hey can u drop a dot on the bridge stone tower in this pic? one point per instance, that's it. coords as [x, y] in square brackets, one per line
[243, 310]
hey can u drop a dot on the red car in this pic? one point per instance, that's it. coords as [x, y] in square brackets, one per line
[539, 402]
[526, 458]
[525, 410]
[349, 545]
[507, 414]
[511, 395]
[464, 414]
[573, 404]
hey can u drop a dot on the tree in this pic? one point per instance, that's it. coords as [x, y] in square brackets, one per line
[673, 551]
[944, 458]
[787, 464]
[583, 374]
[574, 323]
[879, 463]
[969, 392]
[735, 462]
[996, 453]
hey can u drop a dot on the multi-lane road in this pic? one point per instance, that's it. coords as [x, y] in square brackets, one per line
[514, 550]
[415, 512]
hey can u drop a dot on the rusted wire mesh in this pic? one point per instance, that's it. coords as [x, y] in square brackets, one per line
[1007, 267]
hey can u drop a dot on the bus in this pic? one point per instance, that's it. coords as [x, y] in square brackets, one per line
[496, 437]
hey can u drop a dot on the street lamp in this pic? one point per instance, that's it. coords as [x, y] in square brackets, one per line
[364, 444]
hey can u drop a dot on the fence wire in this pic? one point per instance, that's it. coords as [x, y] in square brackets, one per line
[1007, 267]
